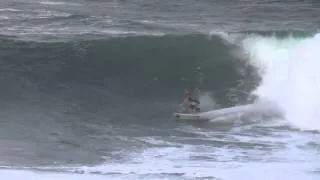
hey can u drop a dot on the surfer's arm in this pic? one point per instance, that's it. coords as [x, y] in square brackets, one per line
[184, 101]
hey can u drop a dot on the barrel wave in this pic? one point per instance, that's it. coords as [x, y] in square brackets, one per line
[113, 75]
[115, 92]
[148, 67]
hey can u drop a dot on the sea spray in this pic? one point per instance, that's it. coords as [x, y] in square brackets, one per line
[289, 68]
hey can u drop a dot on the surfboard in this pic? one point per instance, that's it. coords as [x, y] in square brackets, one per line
[189, 117]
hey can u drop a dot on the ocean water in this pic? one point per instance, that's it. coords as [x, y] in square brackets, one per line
[88, 89]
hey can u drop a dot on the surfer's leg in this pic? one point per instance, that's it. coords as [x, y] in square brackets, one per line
[192, 108]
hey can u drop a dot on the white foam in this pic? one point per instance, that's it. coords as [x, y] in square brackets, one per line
[9, 10]
[219, 163]
[59, 3]
[229, 38]
[207, 102]
[36, 175]
[281, 160]
[126, 32]
[4, 17]
[290, 75]
[261, 108]
[50, 14]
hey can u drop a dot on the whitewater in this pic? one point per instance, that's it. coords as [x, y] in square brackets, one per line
[289, 68]
[290, 81]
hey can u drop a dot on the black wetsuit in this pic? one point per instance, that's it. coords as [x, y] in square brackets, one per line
[192, 105]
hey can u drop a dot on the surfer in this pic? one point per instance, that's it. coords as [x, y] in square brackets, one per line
[193, 105]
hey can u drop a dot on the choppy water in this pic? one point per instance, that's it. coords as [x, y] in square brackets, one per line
[88, 89]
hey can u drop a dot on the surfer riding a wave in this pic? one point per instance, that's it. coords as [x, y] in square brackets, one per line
[193, 103]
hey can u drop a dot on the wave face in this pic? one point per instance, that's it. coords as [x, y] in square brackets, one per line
[289, 67]
[107, 91]
[144, 67]
[114, 73]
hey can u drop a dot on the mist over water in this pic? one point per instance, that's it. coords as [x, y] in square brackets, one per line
[290, 75]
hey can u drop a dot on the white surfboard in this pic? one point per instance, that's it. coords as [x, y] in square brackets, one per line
[231, 111]
[210, 115]
[189, 117]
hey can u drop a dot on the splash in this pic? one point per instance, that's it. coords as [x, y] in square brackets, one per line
[207, 101]
[290, 71]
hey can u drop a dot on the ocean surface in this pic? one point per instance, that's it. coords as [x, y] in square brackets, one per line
[88, 89]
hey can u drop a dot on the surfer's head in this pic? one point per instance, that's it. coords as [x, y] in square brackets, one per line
[187, 92]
